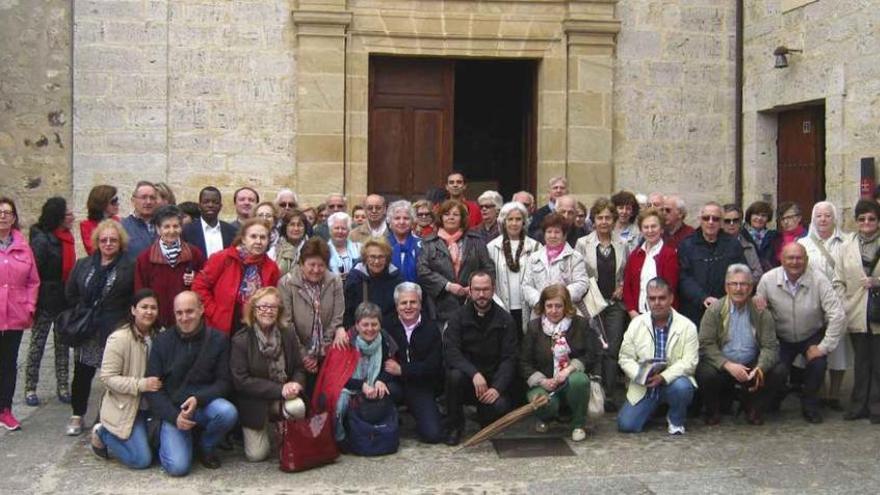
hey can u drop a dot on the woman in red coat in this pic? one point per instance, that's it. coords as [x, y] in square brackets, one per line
[103, 203]
[231, 276]
[169, 265]
[651, 259]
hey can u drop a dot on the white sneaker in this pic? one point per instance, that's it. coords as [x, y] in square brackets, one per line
[674, 429]
[541, 427]
[578, 435]
[75, 426]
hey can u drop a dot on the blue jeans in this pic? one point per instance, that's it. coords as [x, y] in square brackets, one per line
[175, 446]
[678, 395]
[135, 451]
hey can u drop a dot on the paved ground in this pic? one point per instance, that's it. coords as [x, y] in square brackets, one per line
[784, 456]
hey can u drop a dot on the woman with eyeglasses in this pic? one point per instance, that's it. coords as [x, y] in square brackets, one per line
[756, 230]
[857, 274]
[653, 258]
[423, 226]
[269, 212]
[490, 203]
[103, 203]
[372, 280]
[293, 235]
[732, 225]
[267, 370]
[823, 242]
[790, 225]
[405, 246]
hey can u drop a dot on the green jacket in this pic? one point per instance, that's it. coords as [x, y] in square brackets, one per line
[715, 327]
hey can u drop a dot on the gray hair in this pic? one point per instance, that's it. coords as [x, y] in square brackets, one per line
[286, 191]
[367, 310]
[558, 178]
[511, 206]
[492, 196]
[680, 204]
[736, 269]
[339, 216]
[398, 205]
[658, 283]
[404, 287]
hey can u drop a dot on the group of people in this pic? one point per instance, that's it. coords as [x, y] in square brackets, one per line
[201, 327]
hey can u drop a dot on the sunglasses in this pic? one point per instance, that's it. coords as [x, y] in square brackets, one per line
[285, 204]
[114, 201]
[731, 221]
[710, 218]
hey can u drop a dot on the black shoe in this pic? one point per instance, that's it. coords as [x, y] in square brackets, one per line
[209, 461]
[610, 407]
[812, 416]
[854, 415]
[833, 404]
[875, 419]
[453, 437]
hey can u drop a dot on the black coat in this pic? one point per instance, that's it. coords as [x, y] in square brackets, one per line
[380, 290]
[194, 235]
[535, 231]
[420, 358]
[254, 390]
[49, 258]
[186, 370]
[702, 270]
[489, 349]
[115, 307]
[536, 354]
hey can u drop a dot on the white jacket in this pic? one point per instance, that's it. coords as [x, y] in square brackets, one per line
[503, 276]
[567, 269]
[586, 246]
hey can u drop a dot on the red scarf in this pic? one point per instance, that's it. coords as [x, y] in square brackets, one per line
[68, 253]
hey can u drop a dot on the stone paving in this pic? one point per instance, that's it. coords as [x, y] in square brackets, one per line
[786, 455]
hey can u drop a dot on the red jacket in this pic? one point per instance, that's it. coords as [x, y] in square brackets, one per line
[153, 271]
[86, 227]
[217, 285]
[337, 368]
[667, 268]
[475, 218]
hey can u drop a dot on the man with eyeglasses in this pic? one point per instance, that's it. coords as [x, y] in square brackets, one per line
[286, 201]
[375, 226]
[732, 225]
[674, 211]
[738, 351]
[138, 225]
[703, 259]
[335, 203]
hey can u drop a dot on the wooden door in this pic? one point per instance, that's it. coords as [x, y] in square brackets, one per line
[410, 125]
[801, 157]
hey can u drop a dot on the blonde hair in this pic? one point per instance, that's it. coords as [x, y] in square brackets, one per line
[249, 313]
[111, 224]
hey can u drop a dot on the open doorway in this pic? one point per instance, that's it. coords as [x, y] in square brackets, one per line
[429, 116]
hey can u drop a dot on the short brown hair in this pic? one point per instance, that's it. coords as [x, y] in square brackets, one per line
[379, 243]
[552, 292]
[248, 314]
[8, 201]
[555, 220]
[448, 205]
[315, 248]
[110, 224]
[601, 205]
[651, 212]
[250, 222]
[759, 207]
[99, 198]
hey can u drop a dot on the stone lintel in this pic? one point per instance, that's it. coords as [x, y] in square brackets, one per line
[591, 32]
[321, 23]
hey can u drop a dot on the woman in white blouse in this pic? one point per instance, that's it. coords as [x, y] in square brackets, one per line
[510, 252]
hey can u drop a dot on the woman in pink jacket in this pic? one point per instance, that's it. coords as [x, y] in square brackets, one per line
[19, 284]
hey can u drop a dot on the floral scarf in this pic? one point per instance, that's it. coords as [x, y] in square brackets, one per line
[312, 293]
[559, 346]
[250, 280]
[452, 245]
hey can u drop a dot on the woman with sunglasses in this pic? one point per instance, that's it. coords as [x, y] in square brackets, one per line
[103, 203]
[732, 225]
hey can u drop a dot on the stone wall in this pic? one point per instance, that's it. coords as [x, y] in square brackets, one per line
[674, 90]
[191, 93]
[35, 102]
[840, 66]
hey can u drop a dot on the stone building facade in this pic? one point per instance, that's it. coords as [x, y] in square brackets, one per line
[635, 94]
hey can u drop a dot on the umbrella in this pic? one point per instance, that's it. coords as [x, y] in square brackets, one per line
[508, 419]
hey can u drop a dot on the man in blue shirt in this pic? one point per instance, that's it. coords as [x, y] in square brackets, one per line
[141, 231]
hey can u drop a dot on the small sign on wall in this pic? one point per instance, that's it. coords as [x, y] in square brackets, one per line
[808, 126]
[868, 179]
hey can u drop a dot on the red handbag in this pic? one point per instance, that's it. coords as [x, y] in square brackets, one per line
[307, 443]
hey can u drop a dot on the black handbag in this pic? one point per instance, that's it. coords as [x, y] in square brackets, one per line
[874, 298]
[74, 326]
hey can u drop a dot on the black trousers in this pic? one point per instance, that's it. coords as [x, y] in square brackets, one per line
[814, 371]
[81, 388]
[718, 386]
[866, 377]
[614, 320]
[421, 403]
[10, 340]
[460, 391]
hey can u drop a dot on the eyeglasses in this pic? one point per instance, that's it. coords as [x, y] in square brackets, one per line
[335, 206]
[665, 209]
[267, 308]
[285, 204]
[108, 240]
[789, 218]
[114, 201]
[7, 213]
[710, 218]
[486, 207]
[376, 257]
[731, 221]
[267, 216]
[866, 218]
[423, 214]
[374, 208]
[739, 285]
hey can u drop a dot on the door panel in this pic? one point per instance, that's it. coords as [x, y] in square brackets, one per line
[410, 133]
[801, 157]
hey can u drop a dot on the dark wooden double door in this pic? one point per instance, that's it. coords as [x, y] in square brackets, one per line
[800, 149]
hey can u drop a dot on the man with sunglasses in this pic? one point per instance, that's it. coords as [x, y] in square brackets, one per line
[375, 226]
[703, 259]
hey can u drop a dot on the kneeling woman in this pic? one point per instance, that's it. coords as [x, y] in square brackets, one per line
[266, 368]
[122, 430]
[557, 352]
[358, 371]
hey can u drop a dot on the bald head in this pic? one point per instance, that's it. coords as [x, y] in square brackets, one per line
[794, 260]
[567, 207]
[375, 206]
[188, 311]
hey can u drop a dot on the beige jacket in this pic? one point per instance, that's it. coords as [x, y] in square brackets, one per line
[567, 269]
[122, 373]
[362, 233]
[848, 283]
[299, 311]
[682, 351]
[587, 244]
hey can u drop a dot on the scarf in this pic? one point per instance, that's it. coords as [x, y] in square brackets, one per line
[99, 279]
[868, 248]
[345, 263]
[270, 347]
[554, 252]
[250, 280]
[171, 252]
[368, 368]
[312, 293]
[451, 241]
[757, 235]
[511, 260]
[559, 345]
[68, 252]
[405, 255]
